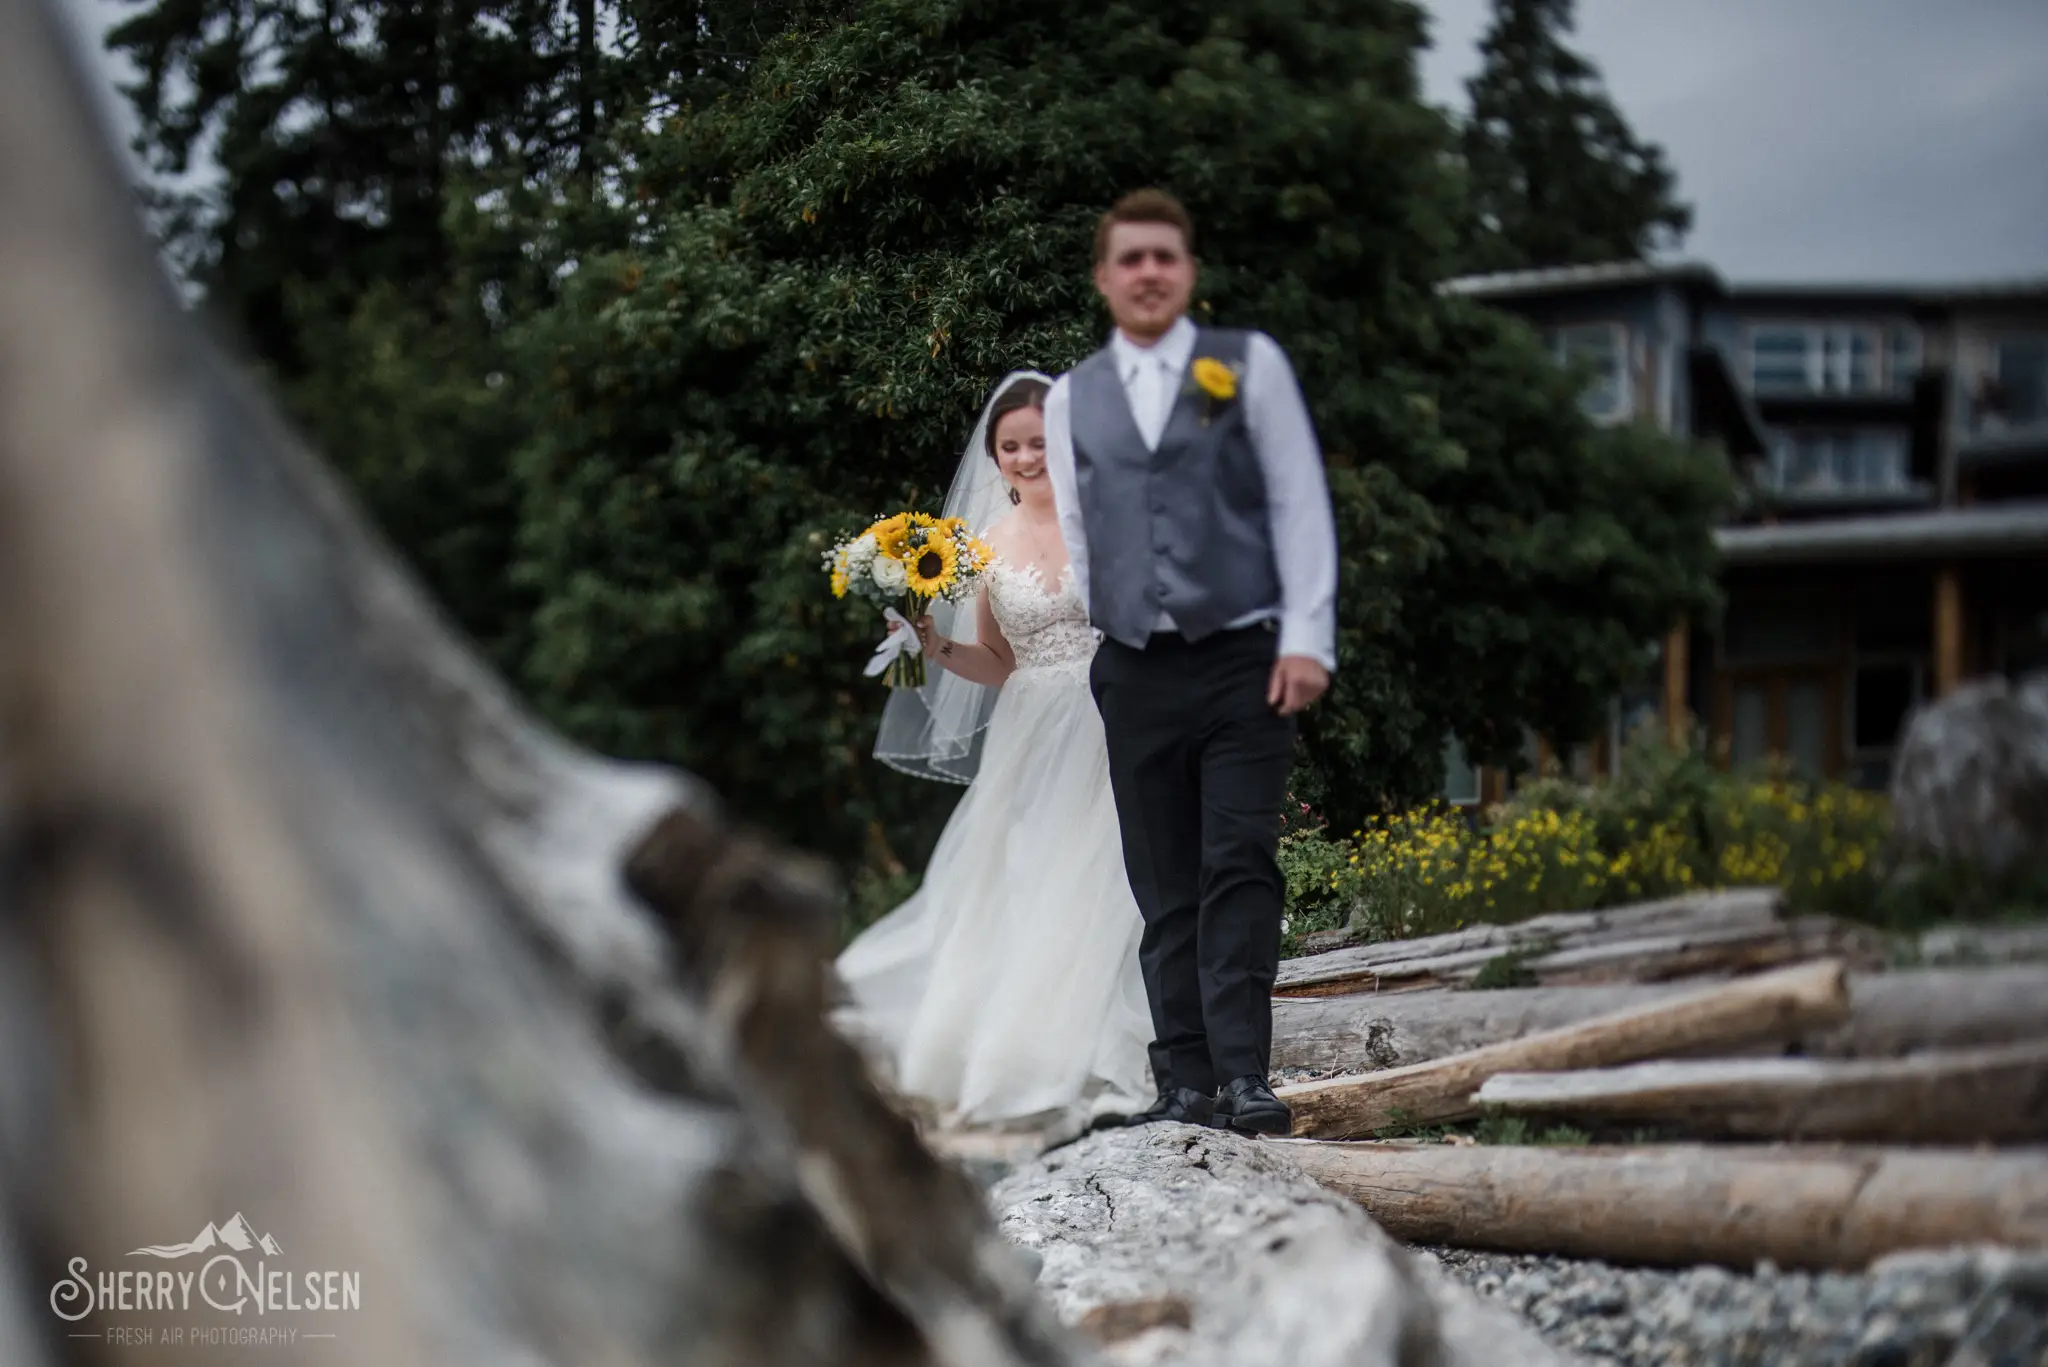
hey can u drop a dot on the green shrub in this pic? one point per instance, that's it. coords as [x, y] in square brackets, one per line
[1318, 891]
[1669, 822]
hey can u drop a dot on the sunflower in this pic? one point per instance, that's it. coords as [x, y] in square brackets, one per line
[1214, 378]
[839, 582]
[892, 535]
[932, 567]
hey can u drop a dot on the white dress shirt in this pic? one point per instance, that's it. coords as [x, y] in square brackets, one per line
[1304, 531]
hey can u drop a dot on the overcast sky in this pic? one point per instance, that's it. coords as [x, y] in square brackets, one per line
[1879, 139]
[1815, 139]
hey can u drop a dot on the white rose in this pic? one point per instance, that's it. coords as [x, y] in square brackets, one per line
[862, 553]
[889, 575]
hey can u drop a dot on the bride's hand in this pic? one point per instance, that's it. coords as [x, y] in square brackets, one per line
[927, 635]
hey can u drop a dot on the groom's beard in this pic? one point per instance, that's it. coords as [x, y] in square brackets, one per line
[1152, 326]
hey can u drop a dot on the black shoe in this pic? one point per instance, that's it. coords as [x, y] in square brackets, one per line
[1249, 1107]
[1181, 1106]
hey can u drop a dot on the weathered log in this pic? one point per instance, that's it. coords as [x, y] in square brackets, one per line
[1458, 956]
[1772, 1006]
[1207, 1249]
[1707, 951]
[1893, 1014]
[1691, 954]
[1371, 1031]
[1890, 1014]
[1710, 935]
[1718, 951]
[1967, 946]
[1805, 1207]
[1997, 1095]
[304, 917]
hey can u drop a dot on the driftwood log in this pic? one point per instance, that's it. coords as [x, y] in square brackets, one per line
[1713, 934]
[1807, 1207]
[1324, 974]
[1356, 1034]
[1768, 1007]
[1977, 945]
[1994, 1095]
[1890, 1014]
[303, 917]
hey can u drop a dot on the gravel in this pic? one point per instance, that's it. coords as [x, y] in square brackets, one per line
[1974, 1308]
[1966, 1308]
[1983, 1307]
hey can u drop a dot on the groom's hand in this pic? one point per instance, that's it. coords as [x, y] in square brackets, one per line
[1297, 682]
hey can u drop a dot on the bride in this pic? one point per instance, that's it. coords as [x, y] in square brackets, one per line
[1007, 988]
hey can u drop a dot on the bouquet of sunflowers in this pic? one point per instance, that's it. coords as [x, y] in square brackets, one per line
[904, 564]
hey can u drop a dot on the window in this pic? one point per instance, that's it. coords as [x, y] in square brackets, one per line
[1790, 714]
[1902, 358]
[1817, 358]
[2023, 379]
[1862, 461]
[1806, 727]
[1848, 360]
[1777, 360]
[1461, 779]
[1885, 694]
[2026, 647]
[1749, 733]
[1601, 348]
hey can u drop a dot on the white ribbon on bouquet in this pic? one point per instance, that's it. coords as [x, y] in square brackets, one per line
[901, 640]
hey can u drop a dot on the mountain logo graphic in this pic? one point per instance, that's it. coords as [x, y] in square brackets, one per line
[237, 1234]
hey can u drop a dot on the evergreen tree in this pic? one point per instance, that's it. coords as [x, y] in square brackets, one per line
[336, 129]
[837, 262]
[1556, 176]
[343, 131]
[396, 183]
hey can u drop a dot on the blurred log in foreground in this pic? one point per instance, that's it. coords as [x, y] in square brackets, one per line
[1267, 1269]
[304, 919]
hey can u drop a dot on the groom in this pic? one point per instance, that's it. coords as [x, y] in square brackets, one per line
[1191, 496]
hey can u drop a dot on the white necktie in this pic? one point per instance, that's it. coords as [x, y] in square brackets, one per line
[1150, 398]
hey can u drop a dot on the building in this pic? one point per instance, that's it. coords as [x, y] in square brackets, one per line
[1893, 536]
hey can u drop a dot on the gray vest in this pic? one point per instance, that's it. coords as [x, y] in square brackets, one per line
[1183, 528]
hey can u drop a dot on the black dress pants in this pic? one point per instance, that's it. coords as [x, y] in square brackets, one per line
[1198, 761]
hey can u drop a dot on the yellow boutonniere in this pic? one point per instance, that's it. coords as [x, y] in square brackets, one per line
[1215, 379]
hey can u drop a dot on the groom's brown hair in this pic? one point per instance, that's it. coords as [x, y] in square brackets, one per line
[1145, 206]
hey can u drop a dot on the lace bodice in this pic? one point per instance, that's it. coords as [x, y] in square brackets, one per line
[1047, 628]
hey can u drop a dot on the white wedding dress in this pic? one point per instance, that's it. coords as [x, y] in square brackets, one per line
[1007, 988]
